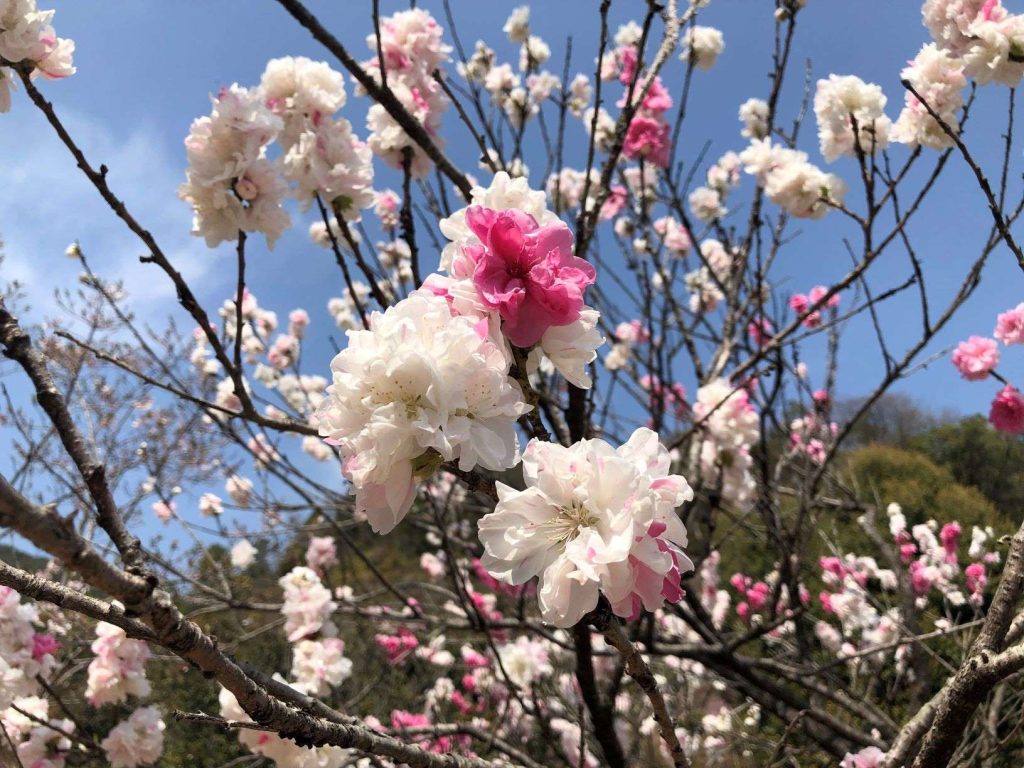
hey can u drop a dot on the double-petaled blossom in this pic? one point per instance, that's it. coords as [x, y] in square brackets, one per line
[307, 605]
[411, 48]
[938, 79]
[1007, 412]
[754, 116]
[231, 185]
[118, 669]
[526, 272]
[243, 554]
[949, 21]
[851, 114]
[988, 39]
[139, 740]
[282, 751]
[869, 757]
[511, 266]
[420, 386]
[647, 138]
[790, 181]
[24, 654]
[1010, 326]
[321, 553]
[26, 35]
[592, 519]
[976, 358]
[702, 46]
[319, 665]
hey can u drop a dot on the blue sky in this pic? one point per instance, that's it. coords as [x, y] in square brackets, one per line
[146, 69]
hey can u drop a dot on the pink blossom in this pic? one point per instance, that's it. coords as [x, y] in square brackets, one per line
[817, 293]
[474, 658]
[526, 272]
[760, 331]
[298, 320]
[1007, 414]
[1010, 326]
[976, 578]
[950, 538]
[976, 357]
[869, 757]
[164, 510]
[321, 553]
[397, 647]
[647, 138]
[43, 644]
[920, 580]
[627, 56]
[614, 203]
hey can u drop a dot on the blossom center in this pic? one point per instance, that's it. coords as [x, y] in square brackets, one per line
[569, 522]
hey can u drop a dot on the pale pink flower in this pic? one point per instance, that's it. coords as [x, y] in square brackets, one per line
[869, 757]
[210, 505]
[592, 518]
[976, 357]
[321, 553]
[1010, 326]
[164, 510]
[118, 669]
[139, 740]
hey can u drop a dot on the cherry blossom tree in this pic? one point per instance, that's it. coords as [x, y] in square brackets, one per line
[570, 490]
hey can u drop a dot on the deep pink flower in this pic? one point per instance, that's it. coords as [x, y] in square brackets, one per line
[950, 538]
[975, 357]
[43, 644]
[1007, 414]
[526, 272]
[1010, 326]
[976, 579]
[647, 138]
[628, 59]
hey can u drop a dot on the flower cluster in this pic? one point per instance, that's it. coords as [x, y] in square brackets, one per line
[939, 80]
[851, 117]
[800, 188]
[233, 186]
[420, 386]
[988, 39]
[730, 426]
[411, 49]
[139, 740]
[25, 653]
[307, 605]
[592, 519]
[118, 670]
[27, 36]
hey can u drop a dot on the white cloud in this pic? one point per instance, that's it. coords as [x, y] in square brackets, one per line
[47, 203]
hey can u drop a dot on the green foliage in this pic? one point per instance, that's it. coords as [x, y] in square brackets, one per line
[924, 489]
[978, 456]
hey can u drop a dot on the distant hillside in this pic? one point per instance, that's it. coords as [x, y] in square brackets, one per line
[19, 559]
